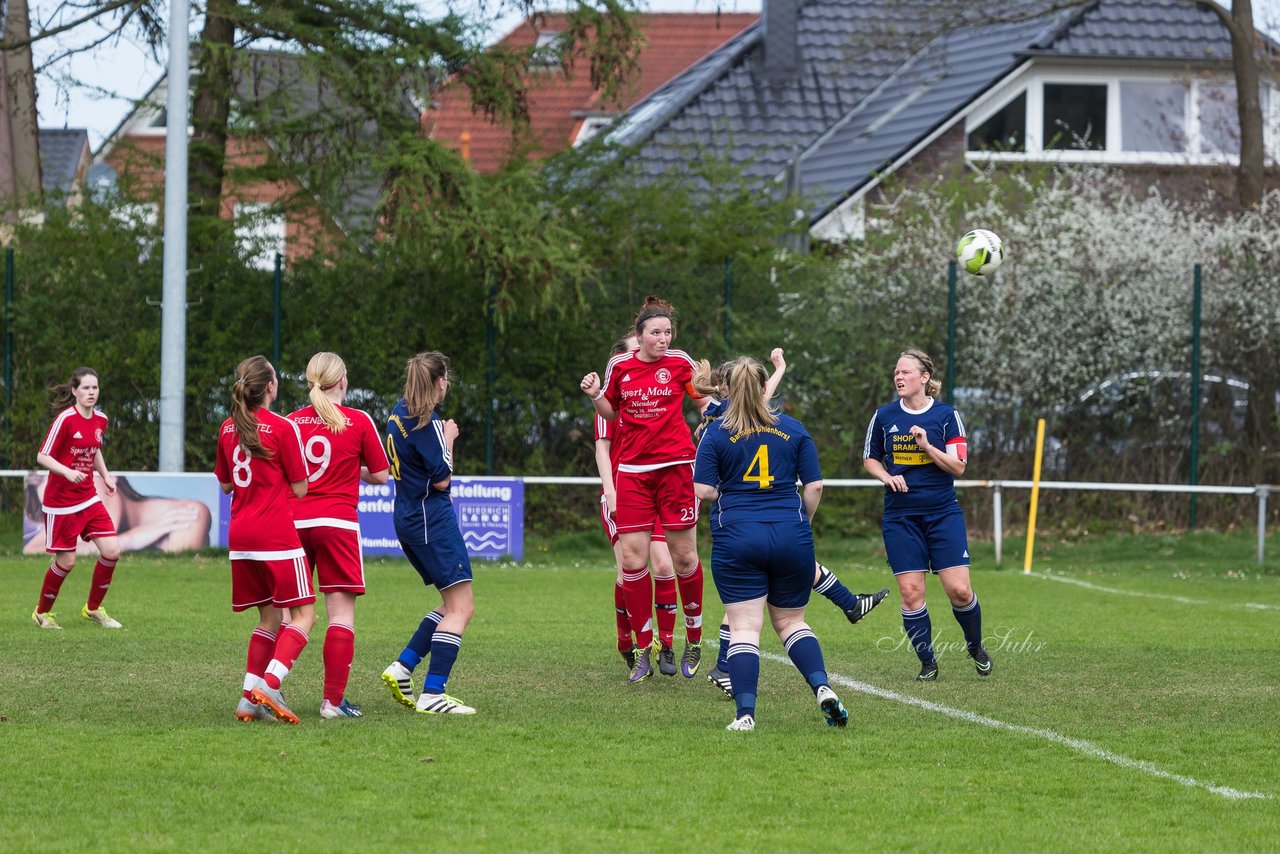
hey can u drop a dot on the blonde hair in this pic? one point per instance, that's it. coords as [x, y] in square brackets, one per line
[711, 382]
[932, 387]
[747, 407]
[324, 371]
[253, 376]
[422, 373]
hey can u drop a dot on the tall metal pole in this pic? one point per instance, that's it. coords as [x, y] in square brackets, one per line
[173, 313]
[1196, 380]
[950, 385]
[490, 374]
[277, 286]
[728, 306]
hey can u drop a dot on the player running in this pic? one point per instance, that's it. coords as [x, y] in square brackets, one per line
[714, 384]
[420, 448]
[748, 463]
[343, 447]
[72, 452]
[260, 464]
[916, 446]
[645, 391]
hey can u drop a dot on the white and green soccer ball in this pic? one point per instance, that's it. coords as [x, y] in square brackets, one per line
[980, 252]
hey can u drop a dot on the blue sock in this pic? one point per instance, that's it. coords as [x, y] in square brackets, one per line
[828, 585]
[420, 643]
[970, 619]
[444, 652]
[722, 657]
[806, 654]
[919, 631]
[744, 675]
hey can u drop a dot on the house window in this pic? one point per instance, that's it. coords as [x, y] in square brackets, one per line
[1153, 116]
[260, 234]
[546, 51]
[1005, 131]
[1075, 116]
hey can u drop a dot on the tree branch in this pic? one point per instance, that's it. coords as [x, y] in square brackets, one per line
[111, 6]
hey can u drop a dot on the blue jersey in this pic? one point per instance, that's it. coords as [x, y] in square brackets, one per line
[889, 440]
[419, 458]
[710, 415]
[756, 471]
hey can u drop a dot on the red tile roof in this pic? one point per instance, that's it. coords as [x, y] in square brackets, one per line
[672, 43]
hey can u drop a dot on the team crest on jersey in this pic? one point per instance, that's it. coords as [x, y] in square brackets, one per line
[97, 434]
[663, 376]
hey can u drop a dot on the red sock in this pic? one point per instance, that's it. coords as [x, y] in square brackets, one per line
[638, 590]
[664, 600]
[53, 578]
[289, 646]
[261, 645]
[102, 572]
[621, 619]
[691, 598]
[339, 650]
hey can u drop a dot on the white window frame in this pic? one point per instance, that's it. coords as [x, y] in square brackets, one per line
[1033, 80]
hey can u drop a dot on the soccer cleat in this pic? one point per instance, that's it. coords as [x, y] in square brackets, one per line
[642, 669]
[720, 679]
[982, 662]
[101, 617]
[398, 678]
[246, 711]
[690, 659]
[831, 706]
[273, 699]
[442, 704]
[667, 661]
[746, 723]
[866, 603]
[45, 620]
[344, 709]
[928, 672]
[629, 656]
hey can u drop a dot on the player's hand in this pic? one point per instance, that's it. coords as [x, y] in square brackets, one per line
[450, 430]
[778, 360]
[896, 483]
[76, 476]
[922, 438]
[611, 505]
[590, 384]
[109, 483]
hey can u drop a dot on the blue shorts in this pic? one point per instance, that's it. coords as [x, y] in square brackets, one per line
[773, 559]
[442, 561]
[926, 541]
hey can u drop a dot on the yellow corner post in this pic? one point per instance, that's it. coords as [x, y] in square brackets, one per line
[1035, 497]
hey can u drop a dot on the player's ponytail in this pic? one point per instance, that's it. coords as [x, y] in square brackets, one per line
[64, 394]
[931, 386]
[747, 407]
[249, 391]
[421, 385]
[711, 382]
[655, 307]
[325, 372]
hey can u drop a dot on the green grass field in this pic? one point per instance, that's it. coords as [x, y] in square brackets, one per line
[1135, 713]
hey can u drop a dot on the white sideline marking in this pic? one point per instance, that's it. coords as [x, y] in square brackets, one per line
[1088, 748]
[1168, 597]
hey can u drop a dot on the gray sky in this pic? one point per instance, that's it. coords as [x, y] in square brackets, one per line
[93, 89]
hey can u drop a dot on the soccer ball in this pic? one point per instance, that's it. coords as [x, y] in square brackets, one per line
[980, 252]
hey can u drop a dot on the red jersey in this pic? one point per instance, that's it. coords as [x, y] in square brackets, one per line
[261, 520]
[333, 488]
[649, 400]
[74, 441]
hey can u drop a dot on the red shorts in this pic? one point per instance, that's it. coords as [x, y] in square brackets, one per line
[611, 526]
[62, 529]
[662, 498]
[334, 553]
[281, 578]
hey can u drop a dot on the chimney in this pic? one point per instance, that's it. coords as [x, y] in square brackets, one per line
[781, 20]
